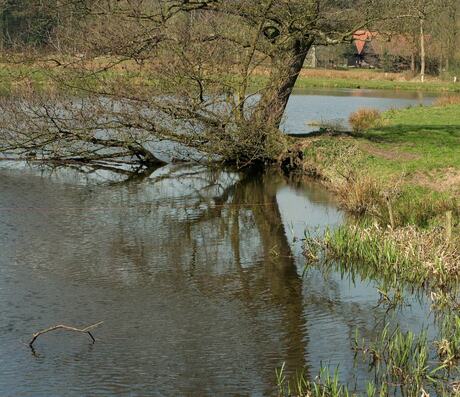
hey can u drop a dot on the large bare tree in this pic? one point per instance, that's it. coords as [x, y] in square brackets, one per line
[186, 71]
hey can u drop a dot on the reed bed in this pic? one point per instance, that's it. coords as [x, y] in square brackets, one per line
[448, 345]
[402, 363]
[420, 257]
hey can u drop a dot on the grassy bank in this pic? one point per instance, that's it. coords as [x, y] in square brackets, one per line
[371, 79]
[403, 177]
[73, 76]
[411, 160]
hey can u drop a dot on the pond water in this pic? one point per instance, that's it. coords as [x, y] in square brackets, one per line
[197, 274]
[335, 105]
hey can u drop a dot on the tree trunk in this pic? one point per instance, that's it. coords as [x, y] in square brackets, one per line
[422, 50]
[441, 61]
[285, 71]
[412, 63]
[452, 29]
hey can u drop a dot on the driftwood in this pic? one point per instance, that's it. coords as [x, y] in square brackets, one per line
[86, 330]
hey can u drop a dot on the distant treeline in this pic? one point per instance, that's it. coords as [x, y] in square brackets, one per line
[54, 24]
[37, 22]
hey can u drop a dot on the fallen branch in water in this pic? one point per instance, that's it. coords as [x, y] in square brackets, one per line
[67, 328]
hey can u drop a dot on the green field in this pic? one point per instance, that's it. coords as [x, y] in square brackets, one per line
[419, 140]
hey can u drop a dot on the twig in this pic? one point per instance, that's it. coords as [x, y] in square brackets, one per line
[67, 328]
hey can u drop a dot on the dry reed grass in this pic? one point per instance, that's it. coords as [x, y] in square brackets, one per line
[447, 100]
[361, 74]
[429, 247]
[364, 119]
[359, 194]
[405, 255]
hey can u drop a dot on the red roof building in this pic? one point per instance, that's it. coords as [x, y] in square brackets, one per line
[361, 37]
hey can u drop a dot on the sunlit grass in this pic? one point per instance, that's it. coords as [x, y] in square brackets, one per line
[408, 168]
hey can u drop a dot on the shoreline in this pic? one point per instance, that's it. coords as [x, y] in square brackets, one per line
[402, 183]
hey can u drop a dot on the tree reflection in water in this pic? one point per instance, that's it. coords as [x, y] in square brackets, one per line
[192, 272]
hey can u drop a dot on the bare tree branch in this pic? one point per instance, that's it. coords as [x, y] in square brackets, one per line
[86, 330]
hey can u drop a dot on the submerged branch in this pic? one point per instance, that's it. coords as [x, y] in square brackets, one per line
[86, 330]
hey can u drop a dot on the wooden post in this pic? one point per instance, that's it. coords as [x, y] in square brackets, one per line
[422, 49]
[390, 212]
[448, 227]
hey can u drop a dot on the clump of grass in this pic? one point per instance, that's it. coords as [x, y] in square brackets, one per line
[417, 207]
[336, 125]
[447, 100]
[364, 119]
[449, 344]
[326, 384]
[359, 193]
[402, 359]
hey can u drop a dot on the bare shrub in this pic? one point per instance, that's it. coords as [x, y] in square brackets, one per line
[447, 100]
[364, 119]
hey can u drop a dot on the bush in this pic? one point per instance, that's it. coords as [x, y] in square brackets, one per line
[447, 100]
[364, 119]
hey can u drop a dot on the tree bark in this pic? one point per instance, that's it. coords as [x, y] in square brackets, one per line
[285, 72]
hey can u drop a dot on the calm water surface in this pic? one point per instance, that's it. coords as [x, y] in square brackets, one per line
[196, 273]
[335, 105]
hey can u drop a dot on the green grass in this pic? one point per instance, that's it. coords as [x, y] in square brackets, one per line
[414, 159]
[426, 138]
